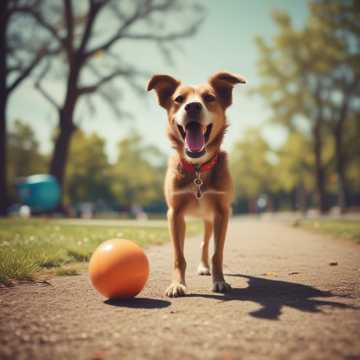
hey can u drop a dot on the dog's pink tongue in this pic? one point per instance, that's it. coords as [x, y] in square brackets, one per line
[194, 137]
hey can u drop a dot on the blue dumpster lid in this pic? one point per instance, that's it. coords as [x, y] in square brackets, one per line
[39, 178]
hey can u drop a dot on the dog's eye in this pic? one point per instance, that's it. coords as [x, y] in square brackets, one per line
[209, 98]
[179, 99]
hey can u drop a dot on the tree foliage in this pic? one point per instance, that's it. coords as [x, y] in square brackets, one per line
[252, 165]
[138, 173]
[310, 79]
[295, 163]
[22, 49]
[24, 156]
[89, 178]
[136, 178]
[86, 35]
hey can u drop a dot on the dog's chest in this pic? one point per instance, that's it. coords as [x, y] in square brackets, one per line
[200, 208]
[199, 202]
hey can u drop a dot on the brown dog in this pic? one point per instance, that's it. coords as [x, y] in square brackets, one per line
[198, 181]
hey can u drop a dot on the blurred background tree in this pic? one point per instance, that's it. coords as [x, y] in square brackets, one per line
[23, 154]
[20, 53]
[79, 56]
[311, 82]
[352, 154]
[85, 32]
[88, 170]
[339, 23]
[138, 173]
[295, 168]
[135, 179]
[253, 168]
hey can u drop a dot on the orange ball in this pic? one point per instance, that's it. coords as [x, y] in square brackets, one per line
[118, 269]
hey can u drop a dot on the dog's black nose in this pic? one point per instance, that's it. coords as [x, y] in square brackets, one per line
[193, 108]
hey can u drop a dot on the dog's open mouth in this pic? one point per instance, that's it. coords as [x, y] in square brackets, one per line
[195, 137]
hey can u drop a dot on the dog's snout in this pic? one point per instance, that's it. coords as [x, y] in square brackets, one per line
[193, 108]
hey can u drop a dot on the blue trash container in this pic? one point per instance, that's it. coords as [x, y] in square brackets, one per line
[40, 192]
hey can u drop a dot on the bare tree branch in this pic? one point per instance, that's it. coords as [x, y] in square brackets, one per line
[38, 16]
[40, 88]
[162, 38]
[105, 79]
[90, 105]
[27, 70]
[141, 12]
[111, 97]
[107, 44]
[69, 24]
[94, 8]
[15, 7]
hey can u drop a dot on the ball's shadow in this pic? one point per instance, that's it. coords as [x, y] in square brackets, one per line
[138, 303]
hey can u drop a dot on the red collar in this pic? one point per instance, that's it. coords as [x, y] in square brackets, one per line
[192, 168]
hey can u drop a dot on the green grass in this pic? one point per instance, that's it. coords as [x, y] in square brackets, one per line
[67, 271]
[30, 247]
[349, 229]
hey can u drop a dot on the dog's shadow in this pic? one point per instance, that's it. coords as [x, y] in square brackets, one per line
[273, 295]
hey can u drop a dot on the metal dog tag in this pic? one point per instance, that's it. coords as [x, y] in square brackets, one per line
[198, 182]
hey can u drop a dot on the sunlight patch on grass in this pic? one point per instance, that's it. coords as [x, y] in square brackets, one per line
[349, 229]
[30, 246]
[67, 271]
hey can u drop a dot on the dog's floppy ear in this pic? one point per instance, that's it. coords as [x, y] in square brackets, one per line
[223, 83]
[164, 86]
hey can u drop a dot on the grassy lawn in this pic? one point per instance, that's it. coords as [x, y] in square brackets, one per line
[29, 248]
[349, 229]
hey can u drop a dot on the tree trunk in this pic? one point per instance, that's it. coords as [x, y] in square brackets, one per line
[61, 149]
[319, 170]
[252, 206]
[3, 167]
[66, 129]
[340, 165]
[301, 198]
[293, 199]
[3, 103]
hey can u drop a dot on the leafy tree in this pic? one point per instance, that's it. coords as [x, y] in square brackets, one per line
[295, 163]
[339, 22]
[87, 35]
[24, 157]
[21, 51]
[352, 153]
[295, 166]
[252, 166]
[88, 170]
[138, 173]
[310, 76]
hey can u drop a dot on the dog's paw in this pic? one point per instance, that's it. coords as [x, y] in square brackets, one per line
[221, 286]
[175, 290]
[203, 269]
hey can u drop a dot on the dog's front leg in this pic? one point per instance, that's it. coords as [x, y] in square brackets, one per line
[203, 268]
[221, 218]
[177, 233]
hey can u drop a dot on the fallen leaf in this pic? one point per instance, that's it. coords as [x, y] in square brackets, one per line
[99, 355]
[270, 273]
[228, 356]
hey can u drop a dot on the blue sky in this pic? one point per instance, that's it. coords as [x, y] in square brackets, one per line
[225, 41]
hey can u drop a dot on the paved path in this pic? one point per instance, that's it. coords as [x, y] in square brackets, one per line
[287, 303]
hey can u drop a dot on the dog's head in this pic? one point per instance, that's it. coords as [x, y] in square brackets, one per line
[196, 114]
